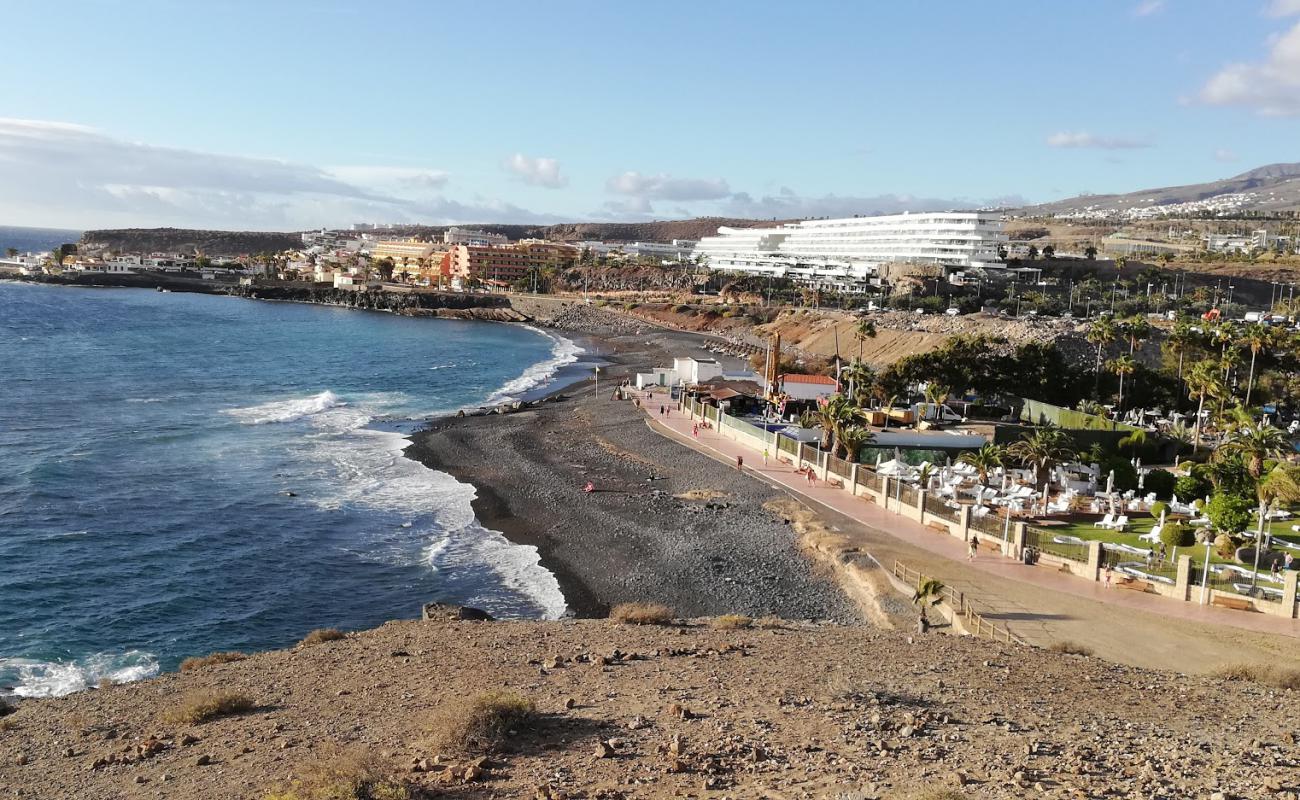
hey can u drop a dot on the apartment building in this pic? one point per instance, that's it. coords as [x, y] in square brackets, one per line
[456, 236]
[503, 265]
[846, 254]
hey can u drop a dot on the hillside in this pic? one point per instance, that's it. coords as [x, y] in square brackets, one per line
[213, 243]
[691, 710]
[181, 240]
[1275, 187]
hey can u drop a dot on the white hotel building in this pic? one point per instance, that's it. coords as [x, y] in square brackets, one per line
[847, 253]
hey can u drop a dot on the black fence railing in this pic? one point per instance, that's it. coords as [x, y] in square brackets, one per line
[1044, 541]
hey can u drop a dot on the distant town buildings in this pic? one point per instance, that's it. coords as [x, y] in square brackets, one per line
[848, 254]
[457, 236]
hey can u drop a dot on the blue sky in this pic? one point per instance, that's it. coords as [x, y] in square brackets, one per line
[278, 115]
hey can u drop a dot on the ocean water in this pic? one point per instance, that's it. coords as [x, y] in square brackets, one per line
[181, 474]
[35, 240]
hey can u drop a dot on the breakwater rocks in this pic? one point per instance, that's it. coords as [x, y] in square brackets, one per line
[401, 302]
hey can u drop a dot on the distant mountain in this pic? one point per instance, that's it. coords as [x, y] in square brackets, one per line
[1275, 187]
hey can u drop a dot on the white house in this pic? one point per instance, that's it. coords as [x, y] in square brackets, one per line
[806, 387]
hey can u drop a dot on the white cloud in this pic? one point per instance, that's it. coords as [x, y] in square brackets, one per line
[1082, 139]
[1283, 8]
[1148, 7]
[397, 178]
[65, 175]
[1271, 87]
[666, 187]
[1225, 155]
[543, 172]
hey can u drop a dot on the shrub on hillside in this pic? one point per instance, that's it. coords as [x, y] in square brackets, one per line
[322, 635]
[204, 706]
[345, 775]
[198, 662]
[482, 723]
[1070, 648]
[1268, 675]
[728, 622]
[641, 614]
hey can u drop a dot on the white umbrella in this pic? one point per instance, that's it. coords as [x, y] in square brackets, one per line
[1110, 482]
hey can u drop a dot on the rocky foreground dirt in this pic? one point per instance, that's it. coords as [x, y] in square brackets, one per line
[683, 711]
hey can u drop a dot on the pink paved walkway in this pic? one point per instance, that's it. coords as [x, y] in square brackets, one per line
[678, 426]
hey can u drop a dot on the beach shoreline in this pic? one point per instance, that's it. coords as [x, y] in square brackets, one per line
[664, 525]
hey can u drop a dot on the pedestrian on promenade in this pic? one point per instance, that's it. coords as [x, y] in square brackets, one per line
[662, 410]
[765, 456]
[740, 463]
[1287, 563]
[809, 472]
[974, 548]
[1107, 576]
[695, 431]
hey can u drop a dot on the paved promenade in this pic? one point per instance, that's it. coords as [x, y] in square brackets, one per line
[989, 579]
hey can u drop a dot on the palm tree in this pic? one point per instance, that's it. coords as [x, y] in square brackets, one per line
[929, 592]
[1136, 329]
[984, 460]
[853, 438]
[1101, 333]
[1203, 381]
[11, 252]
[865, 329]
[1044, 448]
[1257, 337]
[834, 416]
[1124, 365]
[860, 377]
[1180, 341]
[1254, 442]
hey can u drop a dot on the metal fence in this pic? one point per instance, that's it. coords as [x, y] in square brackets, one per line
[742, 426]
[990, 524]
[1043, 541]
[939, 508]
[839, 466]
[907, 494]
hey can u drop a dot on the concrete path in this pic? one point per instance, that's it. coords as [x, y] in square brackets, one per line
[1038, 603]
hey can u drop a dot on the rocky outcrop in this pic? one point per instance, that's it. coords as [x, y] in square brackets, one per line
[413, 303]
[181, 240]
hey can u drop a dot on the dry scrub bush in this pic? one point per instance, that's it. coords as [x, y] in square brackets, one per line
[641, 614]
[344, 775]
[321, 635]
[208, 705]
[1070, 648]
[197, 662]
[1277, 677]
[8, 724]
[482, 723]
[771, 623]
[731, 622]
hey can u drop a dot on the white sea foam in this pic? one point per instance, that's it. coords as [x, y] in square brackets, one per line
[286, 410]
[351, 465]
[563, 352]
[31, 678]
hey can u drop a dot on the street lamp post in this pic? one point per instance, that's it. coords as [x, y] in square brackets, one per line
[596, 374]
[1205, 575]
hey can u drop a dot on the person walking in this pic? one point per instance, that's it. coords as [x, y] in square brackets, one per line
[1107, 576]
[740, 463]
[765, 456]
[974, 548]
[695, 431]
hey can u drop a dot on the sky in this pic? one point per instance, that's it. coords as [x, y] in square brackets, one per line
[294, 114]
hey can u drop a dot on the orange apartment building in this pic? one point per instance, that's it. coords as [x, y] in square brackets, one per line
[502, 265]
